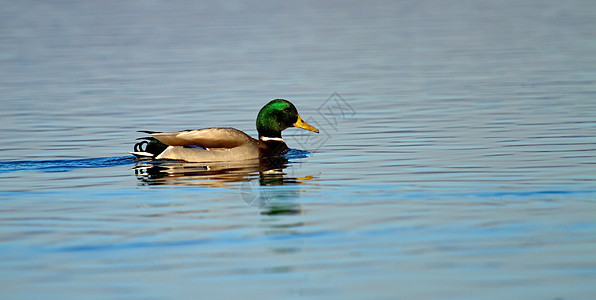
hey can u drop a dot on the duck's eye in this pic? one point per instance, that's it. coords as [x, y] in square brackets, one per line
[287, 109]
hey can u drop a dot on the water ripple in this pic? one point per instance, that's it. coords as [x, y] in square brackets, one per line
[64, 165]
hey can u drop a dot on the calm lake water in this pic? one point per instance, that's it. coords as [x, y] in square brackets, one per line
[456, 159]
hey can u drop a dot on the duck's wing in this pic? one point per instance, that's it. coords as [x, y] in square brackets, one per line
[206, 138]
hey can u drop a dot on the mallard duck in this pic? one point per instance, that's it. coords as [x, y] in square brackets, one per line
[226, 144]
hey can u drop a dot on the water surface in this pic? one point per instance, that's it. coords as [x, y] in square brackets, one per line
[456, 157]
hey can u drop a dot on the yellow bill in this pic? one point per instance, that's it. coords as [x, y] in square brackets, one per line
[301, 124]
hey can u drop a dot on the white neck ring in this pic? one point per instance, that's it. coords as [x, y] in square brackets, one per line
[266, 139]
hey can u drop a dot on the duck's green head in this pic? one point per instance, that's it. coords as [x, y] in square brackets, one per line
[276, 116]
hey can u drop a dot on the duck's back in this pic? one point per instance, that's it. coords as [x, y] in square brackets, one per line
[204, 138]
[209, 144]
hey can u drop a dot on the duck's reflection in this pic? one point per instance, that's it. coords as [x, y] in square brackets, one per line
[261, 180]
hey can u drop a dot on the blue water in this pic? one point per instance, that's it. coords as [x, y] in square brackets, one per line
[456, 158]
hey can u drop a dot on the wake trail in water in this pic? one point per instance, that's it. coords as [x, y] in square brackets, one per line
[64, 165]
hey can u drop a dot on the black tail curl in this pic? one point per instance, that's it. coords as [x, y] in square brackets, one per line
[150, 145]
